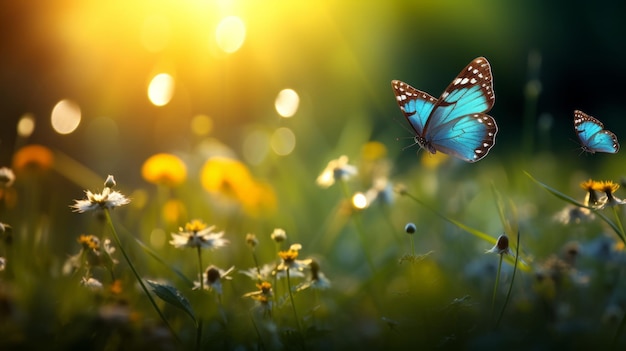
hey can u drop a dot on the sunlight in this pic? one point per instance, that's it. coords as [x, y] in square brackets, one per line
[65, 117]
[161, 89]
[287, 103]
[156, 33]
[359, 201]
[230, 34]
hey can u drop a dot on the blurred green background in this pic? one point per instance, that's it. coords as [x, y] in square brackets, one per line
[339, 56]
[202, 78]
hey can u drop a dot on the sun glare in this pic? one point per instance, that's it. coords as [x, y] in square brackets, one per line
[359, 200]
[230, 34]
[287, 103]
[161, 89]
[156, 33]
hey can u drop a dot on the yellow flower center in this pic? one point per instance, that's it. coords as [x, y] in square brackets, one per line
[288, 256]
[265, 287]
[89, 241]
[195, 226]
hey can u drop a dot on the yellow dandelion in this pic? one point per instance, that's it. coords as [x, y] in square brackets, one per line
[35, 157]
[165, 169]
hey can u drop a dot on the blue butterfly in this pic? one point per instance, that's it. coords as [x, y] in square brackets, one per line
[592, 134]
[456, 123]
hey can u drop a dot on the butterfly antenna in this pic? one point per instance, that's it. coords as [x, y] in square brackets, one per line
[582, 148]
[409, 146]
[404, 126]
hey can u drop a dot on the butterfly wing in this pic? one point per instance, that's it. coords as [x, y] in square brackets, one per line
[469, 137]
[458, 124]
[593, 137]
[416, 105]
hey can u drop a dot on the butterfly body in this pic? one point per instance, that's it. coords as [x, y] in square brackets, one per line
[456, 123]
[593, 137]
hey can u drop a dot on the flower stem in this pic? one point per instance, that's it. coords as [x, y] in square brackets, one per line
[199, 325]
[295, 312]
[200, 268]
[508, 294]
[132, 268]
[495, 285]
[359, 229]
[621, 233]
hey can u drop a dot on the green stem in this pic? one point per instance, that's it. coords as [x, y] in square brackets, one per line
[359, 229]
[508, 294]
[295, 312]
[132, 268]
[621, 233]
[412, 245]
[199, 325]
[199, 249]
[495, 285]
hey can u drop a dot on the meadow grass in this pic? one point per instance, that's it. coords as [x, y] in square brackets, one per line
[351, 276]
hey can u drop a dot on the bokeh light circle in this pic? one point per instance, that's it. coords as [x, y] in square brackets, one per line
[283, 141]
[161, 89]
[65, 117]
[287, 103]
[230, 34]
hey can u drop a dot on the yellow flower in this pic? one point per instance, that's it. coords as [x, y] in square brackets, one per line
[591, 199]
[606, 186]
[261, 199]
[34, 156]
[165, 169]
[589, 184]
[89, 241]
[226, 176]
[290, 261]
[232, 180]
[195, 225]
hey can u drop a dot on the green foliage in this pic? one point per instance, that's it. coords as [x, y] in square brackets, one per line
[174, 297]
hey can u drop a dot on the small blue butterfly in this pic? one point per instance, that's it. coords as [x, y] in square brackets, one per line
[592, 134]
[456, 123]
